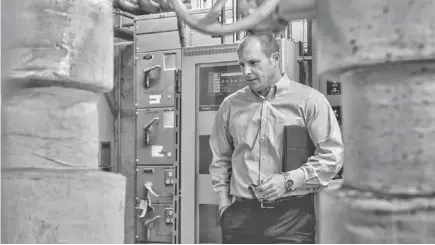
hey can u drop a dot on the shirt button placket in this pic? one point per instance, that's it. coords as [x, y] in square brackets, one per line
[262, 137]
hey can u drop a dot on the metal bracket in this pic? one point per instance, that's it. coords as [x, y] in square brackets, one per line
[169, 215]
[169, 177]
[178, 80]
[303, 58]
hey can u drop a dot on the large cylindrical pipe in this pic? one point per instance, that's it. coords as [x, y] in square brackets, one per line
[58, 59]
[388, 73]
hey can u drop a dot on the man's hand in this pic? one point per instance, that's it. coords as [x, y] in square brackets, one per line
[221, 210]
[272, 187]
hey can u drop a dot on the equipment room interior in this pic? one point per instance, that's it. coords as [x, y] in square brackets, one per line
[108, 108]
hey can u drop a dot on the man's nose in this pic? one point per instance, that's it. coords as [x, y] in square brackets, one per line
[247, 70]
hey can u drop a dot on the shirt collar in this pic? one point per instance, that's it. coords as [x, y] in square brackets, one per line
[278, 89]
[282, 85]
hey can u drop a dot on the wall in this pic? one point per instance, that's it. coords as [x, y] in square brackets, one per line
[126, 146]
[299, 31]
[106, 127]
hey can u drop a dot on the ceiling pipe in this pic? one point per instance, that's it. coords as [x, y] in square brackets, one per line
[129, 7]
[149, 6]
[165, 5]
[261, 14]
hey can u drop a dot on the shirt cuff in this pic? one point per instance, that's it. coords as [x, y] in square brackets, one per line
[298, 177]
[224, 199]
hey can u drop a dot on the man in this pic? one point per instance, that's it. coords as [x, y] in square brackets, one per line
[247, 146]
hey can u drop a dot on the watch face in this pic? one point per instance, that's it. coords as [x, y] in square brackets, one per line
[289, 185]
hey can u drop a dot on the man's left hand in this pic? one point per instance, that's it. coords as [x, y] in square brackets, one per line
[272, 187]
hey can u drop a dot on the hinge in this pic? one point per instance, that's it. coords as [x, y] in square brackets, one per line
[178, 80]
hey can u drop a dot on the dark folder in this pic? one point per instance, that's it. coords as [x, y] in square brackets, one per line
[298, 147]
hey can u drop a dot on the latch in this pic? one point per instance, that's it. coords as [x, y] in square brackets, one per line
[177, 80]
[146, 205]
[147, 75]
[149, 188]
[147, 131]
[148, 224]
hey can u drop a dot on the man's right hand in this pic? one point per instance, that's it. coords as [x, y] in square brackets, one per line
[222, 209]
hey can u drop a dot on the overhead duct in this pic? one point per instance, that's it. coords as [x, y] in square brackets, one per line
[142, 7]
[149, 6]
[128, 6]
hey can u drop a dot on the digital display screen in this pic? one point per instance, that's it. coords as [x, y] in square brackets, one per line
[217, 81]
[225, 82]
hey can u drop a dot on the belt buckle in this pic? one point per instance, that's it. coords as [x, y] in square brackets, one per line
[266, 205]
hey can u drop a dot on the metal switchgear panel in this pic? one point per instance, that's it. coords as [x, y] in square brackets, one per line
[155, 184]
[157, 225]
[155, 78]
[155, 136]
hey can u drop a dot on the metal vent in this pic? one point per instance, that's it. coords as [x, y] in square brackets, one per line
[209, 51]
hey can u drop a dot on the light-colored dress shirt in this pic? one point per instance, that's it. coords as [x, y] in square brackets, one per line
[247, 139]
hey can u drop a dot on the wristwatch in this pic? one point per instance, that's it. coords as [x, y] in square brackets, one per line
[288, 182]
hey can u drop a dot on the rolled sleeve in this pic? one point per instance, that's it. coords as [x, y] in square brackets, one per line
[221, 145]
[325, 133]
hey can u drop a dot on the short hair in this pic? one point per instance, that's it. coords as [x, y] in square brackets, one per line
[268, 43]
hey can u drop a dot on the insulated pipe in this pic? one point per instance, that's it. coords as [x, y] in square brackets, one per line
[129, 7]
[164, 5]
[271, 15]
[149, 6]
[383, 53]
[216, 28]
[58, 60]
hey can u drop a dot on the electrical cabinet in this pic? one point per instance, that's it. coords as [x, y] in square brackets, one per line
[156, 225]
[332, 91]
[157, 66]
[155, 185]
[155, 76]
[155, 136]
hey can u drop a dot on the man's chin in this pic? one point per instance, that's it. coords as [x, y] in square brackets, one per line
[254, 87]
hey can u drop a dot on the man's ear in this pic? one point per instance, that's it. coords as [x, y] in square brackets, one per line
[275, 57]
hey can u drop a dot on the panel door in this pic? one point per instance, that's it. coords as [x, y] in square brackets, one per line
[155, 136]
[156, 226]
[155, 78]
[155, 184]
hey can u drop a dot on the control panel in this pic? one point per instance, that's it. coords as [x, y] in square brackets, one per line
[157, 68]
[155, 136]
[155, 78]
[333, 91]
[219, 81]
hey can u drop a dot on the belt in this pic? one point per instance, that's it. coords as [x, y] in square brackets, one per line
[272, 204]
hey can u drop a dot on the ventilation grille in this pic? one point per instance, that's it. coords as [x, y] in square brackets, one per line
[209, 50]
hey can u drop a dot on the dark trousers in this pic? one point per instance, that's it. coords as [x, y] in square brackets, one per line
[291, 221]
